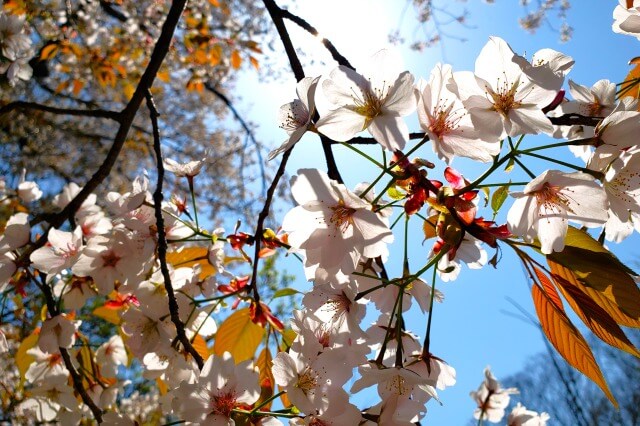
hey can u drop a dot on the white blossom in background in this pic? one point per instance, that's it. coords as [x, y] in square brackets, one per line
[448, 124]
[16, 232]
[376, 100]
[61, 252]
[189, 169]
[500, 98]
[110, 355]
[48, 398]
[549, 201]
[520, 416]
[295, 117]
[57, 332]
[28, 191]
[627, 21]
[470, 252]
[491, 398]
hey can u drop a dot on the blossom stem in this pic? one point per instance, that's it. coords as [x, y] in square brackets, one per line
[265, 402]
[427, 336]
[193, 201]
[368, 157]
[496, 164]
[489, 185]
[595, 174]
[525, 168]
[266, 413]
[579, 142]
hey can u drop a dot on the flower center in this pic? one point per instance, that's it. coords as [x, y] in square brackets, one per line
[550, 197]
[223, 404]
[444, 120]
[398, 385]
[504, 99]
[370, 106]
[307, 381]
[342, 216]
[297, 116]
[110, 259]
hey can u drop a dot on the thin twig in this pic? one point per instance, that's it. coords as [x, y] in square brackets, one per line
[339, 58]
[98, 113]
[575, 120]
[162, 237]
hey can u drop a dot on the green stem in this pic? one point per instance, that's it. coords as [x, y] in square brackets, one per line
[578, 142]
[489, 185]
[266, 401]
[193, 201]
[427, 338]
[367, 156]
[597, 175]
[525, 168]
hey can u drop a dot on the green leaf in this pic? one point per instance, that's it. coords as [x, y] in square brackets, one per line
[285, 292]
[395, 194]
[510, 165]
[499, 197]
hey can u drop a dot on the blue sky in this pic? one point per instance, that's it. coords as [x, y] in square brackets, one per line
[471, 329]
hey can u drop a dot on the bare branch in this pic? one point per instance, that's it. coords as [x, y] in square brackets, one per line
[575, 120]
[98, 113]
[162, 237]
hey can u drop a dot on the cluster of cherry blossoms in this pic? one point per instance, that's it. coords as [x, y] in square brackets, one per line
[15, 48]
[164, 283]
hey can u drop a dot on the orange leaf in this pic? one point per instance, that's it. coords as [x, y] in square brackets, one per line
[549, 288]
[631, 86]
[190, 256]
[609, 306]
[239, 336]
[214, 3]
[267, 382]
[48, 52]
[594, 317]
[254, 62]
[200, 345]
[236, 60]
[108, 314]
[77, 87]
[567, 340]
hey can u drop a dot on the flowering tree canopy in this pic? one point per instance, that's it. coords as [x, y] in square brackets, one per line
[124, 307]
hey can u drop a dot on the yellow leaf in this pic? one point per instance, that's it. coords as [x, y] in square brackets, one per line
[48, 52]
[567, 340]
[239, 336]
[593, 316]
[190, 256]
[162, 386]
[429, 227]
[236, 60]
[128, 90]
[108, 314]
[200, 345]
[24, 360]
[267, 382]
[164, 76]
[216, 55]
[214, 3]
[599, 298]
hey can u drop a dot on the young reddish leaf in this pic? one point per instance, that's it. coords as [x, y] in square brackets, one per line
[77, 87]
[254, 62]
[191, 256]
[607, 305]
[549, 288]
[597, 268]
[567, 340]
[239, 336]
[48, 52]
[594, 317]
[236, 59]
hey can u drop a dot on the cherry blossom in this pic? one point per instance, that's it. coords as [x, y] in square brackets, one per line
[448, 123]
[57, 332]
[491, 398]
[375, 100]
[16, 232]
[62, 252]
[520, 416]
[627, 20]
[220, 387]
[189, 169]
[500, 98]
[28, 191]
[329, 214]
[295, 117]
[545, 205]
[110, 355]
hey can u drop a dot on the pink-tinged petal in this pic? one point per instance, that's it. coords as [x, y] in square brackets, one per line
[389, 131]
[341, 124]
[521, 217]
[402, 97]
[284, 370]
[343, 85]
[580, 93]
[305, 89]
[552, 229]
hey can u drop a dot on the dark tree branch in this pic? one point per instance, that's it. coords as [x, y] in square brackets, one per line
[575, 120]
[126, 120]
[341, 60]
[162, 237]
[363, 140]
[97, 113]
[52, 307]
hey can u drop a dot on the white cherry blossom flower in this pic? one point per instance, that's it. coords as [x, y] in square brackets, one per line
[547, 68]
[470, 252]
[44, 365]
[627, 20]
[16, 232]
[57, 332]
[18, 69]
[491, 398]
[49, 397]
[500, 98]
[545, 205]
[394, 382]
[447, 122]
[28, 191]
[110, 355]
[13, 40]
[295, 117]
[520, 416]
[619, 129]
[598, 100]
[376, 100]
[329, 215]
[221, 386]
[61, 252]
[188, 169]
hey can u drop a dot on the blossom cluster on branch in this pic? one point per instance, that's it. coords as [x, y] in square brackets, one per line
[184, 309]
